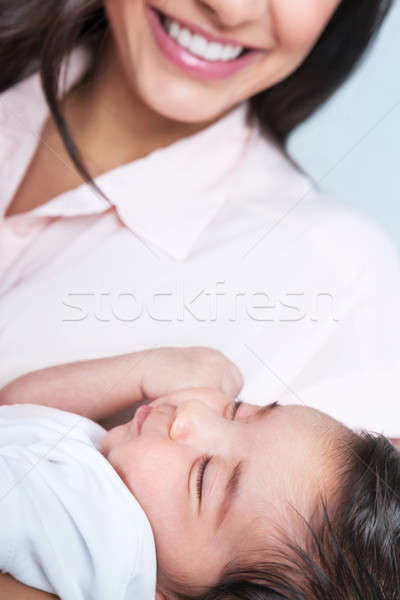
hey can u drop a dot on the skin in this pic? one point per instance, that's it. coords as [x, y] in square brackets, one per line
[10, 588]
[284, 448]
[122, 115]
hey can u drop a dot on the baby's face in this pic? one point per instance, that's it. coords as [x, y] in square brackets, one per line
[261, 460]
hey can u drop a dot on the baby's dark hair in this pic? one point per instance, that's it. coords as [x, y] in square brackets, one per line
[353, 553]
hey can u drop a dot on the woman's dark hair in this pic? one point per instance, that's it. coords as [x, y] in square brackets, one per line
[354, 554]
[36, 35]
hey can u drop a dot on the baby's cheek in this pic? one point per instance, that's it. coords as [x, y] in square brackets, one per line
[113, 438]
[148, 471]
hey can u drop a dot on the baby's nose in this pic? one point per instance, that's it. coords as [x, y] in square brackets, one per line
[189, 416]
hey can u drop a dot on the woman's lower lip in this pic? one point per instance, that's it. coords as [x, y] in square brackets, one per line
[187, 61]
[140, 416]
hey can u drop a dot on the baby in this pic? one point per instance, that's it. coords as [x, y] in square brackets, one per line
[242, 501]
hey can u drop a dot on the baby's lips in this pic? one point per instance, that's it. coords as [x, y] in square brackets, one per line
[140, 416]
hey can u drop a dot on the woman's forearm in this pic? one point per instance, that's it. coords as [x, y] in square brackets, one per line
[94, 388]
[10, 589]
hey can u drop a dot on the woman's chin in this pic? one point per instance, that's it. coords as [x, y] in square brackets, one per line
[181, 98]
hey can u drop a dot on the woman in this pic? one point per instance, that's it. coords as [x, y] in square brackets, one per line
[201, 228]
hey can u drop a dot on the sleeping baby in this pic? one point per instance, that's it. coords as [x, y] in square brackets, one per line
[198, 496]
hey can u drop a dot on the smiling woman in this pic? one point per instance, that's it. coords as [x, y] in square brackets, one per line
[313, 45]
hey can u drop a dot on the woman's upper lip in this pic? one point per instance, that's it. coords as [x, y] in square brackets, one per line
[206, 34]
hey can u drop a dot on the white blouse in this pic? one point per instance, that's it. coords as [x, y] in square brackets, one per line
[215, 240]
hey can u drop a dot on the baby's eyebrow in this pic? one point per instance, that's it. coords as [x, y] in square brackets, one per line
[231, 491]
[264, 410]
[233, 483]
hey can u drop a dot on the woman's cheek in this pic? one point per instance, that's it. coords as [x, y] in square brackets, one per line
[298, 25]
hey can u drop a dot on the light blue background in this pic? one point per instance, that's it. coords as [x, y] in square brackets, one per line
[351, 146]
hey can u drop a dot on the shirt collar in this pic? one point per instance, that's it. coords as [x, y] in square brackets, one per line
[166, 198]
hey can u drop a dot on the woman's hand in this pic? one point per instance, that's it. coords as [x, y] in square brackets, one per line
[168, 370]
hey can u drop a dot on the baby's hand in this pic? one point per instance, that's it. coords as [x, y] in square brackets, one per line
[168, 370]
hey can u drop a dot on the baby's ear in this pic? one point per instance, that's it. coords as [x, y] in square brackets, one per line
[160, 596]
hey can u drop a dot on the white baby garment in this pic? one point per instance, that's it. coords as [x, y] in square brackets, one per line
[68, 523]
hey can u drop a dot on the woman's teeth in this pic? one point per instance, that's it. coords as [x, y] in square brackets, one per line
[198, 45]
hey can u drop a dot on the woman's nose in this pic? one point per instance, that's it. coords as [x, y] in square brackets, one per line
[232, 13]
